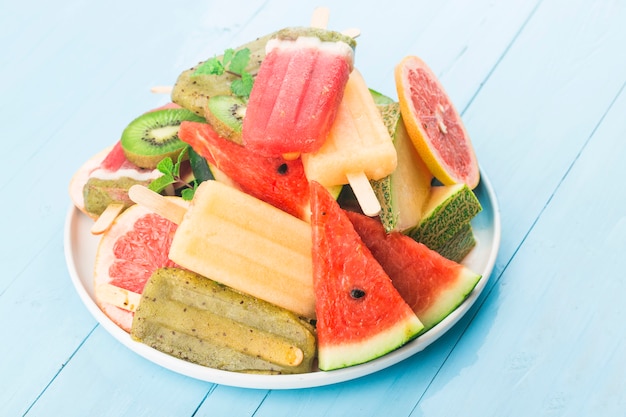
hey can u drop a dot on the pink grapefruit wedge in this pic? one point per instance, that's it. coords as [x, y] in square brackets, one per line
[434, 125]
[136, 244]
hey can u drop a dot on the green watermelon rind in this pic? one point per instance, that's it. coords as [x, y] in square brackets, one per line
[450, 299]
[343, 355]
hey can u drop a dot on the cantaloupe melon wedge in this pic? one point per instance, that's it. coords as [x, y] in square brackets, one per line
[449, 209]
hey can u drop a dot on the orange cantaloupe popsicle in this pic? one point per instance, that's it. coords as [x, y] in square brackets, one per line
[358, 147]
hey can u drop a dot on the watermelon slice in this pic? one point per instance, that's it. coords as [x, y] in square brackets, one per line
[432, 285]
[360, 315]
[277, 181]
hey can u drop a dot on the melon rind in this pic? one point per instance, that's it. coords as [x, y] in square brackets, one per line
[403, 193]
[449, 299]
[349, 354]
[459, 245]
[449, 207]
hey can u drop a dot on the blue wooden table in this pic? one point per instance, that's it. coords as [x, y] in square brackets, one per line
[540, 85]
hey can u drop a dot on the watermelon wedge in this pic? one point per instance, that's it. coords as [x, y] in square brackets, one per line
[432, 285]
[360, 315]
[277, 181]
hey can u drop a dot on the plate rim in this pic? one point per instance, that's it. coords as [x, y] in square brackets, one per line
[293, 381]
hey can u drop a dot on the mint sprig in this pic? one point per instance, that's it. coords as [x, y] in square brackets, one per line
[232, 62]
[171, 175]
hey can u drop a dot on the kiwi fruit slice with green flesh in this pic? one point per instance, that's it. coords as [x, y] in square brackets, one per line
[153, 136]
[225, 113]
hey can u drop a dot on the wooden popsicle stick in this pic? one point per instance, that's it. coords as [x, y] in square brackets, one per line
[364, 193]
[104, 221]
[352, 32]
[161, 89]
[154, 201]
[119, 297]
[320, 17]
[359, 182]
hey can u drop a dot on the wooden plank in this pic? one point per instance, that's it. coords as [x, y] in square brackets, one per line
[232, 401]
[125, 385]
[43, 323]
[550, 338]
[522, 140]
[545, 341]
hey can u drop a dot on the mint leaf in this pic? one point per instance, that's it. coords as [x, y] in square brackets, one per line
[240, 61]
[166, 165]
[242, 86]
[187, 194]
[228, 56]
[171, 175]
[179, 161]
[235, 63]
[211, 66]
[161, 183]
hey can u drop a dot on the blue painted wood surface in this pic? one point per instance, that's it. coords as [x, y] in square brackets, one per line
[540, 85]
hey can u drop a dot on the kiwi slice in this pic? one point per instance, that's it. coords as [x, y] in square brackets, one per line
[225, 113]
[153, 136]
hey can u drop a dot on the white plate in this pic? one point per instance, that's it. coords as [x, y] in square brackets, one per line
[80, 251]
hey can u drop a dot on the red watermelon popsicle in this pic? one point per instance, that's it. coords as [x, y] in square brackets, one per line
[297, 91]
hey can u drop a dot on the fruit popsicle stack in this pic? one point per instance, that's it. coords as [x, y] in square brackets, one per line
[240, 241]
[297, 90]
[357, 149]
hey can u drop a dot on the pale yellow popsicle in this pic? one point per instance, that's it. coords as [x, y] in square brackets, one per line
[358, 147]
[242, 242]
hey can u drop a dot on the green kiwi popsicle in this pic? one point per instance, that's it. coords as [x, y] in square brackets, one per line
[199, 320]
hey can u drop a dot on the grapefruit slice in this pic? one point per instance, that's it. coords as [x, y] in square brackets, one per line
[136, 244]
[434, 125]
[360, 315]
